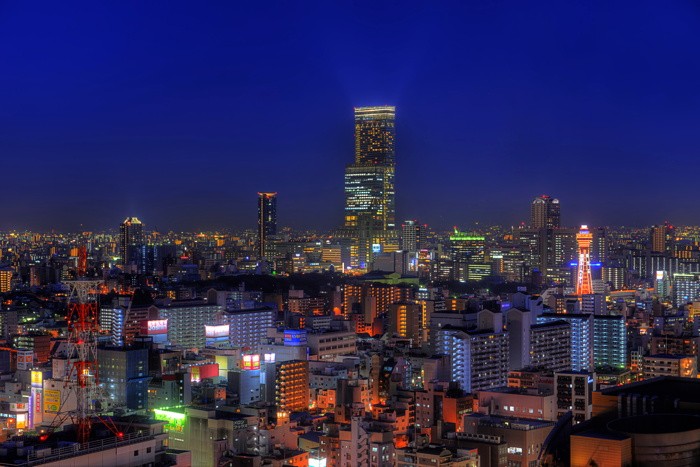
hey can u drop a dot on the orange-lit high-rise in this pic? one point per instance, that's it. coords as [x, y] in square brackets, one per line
[584, 282]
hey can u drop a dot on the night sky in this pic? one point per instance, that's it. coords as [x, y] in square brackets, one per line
[179, 112]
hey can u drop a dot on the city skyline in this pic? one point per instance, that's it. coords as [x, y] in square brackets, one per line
[495, 104]
[349, 233]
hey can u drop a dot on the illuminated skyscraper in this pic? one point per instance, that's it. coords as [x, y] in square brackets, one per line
[267, 220]
[584, 281]
[130, 239]
[545, 213]
[411, 235]
[370, 212]
[365, 192]
[662, 238]
[369, 182]
[375, 135]
[6, 279]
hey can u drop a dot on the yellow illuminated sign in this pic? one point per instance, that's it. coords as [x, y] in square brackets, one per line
[52, 400]
[37, 378]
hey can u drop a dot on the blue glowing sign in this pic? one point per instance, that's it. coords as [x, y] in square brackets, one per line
[294, 337]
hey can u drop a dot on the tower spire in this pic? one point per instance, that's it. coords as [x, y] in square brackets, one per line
[584, 281]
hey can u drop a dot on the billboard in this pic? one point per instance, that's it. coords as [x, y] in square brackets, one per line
[52, 400]
[251, 362]
[212, 332]
[199, 372]
[156, 326]
[294, 337]
[37, 379]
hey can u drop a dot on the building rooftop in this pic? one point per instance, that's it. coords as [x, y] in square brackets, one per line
[519, 391]
[667, 356]
[551, 324]
[512, 423]
[684, 389]
[602, 435]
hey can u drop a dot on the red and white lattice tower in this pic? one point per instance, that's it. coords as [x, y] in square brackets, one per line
[82, 352]
[82, 261]
[584, 281]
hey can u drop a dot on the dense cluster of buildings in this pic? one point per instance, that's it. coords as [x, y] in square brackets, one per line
[378, 344]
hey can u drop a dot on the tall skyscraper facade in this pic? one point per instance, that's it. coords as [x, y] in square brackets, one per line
[411, 235]
[662, 238]
[369, 181]
[545, 213]
[267, 220]
[370, 206]
[130, 239]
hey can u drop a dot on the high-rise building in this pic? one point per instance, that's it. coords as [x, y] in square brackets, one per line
[573, 390]
[581, 337]
[599, 248]
[6, 279]
[550, 346]
[686, 288]
[130, 240]
[662, 238]
[187, 320]
[292, 387]
[375, 135]
[478, 358]
[545, 213]
[267, 221]
[370, 206]
[411, 235]
[124, 374]
[405, 320]
[468, 247]
[609, 341]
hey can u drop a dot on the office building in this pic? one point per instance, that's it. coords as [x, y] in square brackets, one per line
[467, 247]
[600, 245]
[267, 222]
[131, 240]
[545, 213]
[366, 203]
[662, 238]
[370, 206]
[412, 233]
[124, 374]
[685, 289]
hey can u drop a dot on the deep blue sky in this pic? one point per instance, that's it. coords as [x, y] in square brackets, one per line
[179, 112]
